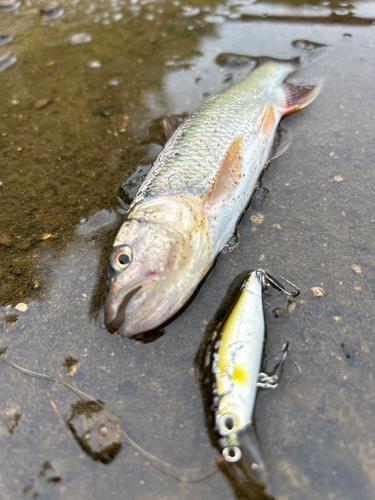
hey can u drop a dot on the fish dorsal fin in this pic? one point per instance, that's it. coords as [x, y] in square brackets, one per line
[297, 97]
[279, 146]
[170, 125]
[229, 173]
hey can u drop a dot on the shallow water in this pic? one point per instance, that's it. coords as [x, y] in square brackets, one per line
[71, 132]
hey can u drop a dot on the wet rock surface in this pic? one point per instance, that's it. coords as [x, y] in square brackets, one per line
[63, 167]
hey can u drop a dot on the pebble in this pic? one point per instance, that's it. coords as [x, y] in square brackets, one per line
[7, 60]
[42, 103]
[53, 11]
[22, 307]
[188, 11]
[317, 291]
[80, 38]
[4, 38]
[5, 240]
[257, 219]
[113, 82]
[94, 64]
[338, 178]
[357, 269]
[8, 5]
[46, 236]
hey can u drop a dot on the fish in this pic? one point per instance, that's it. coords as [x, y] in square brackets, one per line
[235, 356]
[190, 202]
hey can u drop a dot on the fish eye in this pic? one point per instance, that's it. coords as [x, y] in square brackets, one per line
[122, 257]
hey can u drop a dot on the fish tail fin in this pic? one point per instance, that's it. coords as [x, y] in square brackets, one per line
[298, 96]
[251, 461]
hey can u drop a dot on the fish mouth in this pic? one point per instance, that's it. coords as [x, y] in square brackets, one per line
[119, 319]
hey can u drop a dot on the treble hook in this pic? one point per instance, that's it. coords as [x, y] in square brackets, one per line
[266, 280]
[266, 381]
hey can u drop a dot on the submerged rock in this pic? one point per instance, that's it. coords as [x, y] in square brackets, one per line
[7, 60]
[80, 38]
[8, 5]
[96, 431]
[52, 11]
[4, 38]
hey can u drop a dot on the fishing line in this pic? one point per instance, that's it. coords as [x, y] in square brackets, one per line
[189, 475]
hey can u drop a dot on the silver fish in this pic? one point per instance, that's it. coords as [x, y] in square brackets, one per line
[188, 206]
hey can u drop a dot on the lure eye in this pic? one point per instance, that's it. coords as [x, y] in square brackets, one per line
[122, 257]
[229, 424]
[232, 454]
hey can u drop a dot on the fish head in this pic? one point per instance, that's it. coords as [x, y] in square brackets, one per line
[148, 276]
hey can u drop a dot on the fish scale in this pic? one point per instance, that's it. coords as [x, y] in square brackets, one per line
[195, 152]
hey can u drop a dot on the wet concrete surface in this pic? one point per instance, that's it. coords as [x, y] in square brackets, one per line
[69, 138]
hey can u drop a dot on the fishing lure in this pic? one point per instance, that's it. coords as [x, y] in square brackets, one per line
[236, 361]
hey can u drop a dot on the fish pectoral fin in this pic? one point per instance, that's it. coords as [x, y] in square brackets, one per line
[229, 173]
[297, 97]
[170, 125]
[279, 146]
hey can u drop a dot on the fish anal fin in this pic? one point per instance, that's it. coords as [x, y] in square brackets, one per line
[279, 146]
[297, 97]
[268, 121]
[229, 173]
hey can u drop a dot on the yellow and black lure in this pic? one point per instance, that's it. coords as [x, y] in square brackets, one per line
[236, 364]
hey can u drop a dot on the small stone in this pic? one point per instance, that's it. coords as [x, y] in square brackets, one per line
[8, 5]
[94, 64]
[357, 269]
[257, 219]
[5, 240]
[50, 63]
[113, 82]
[72, 370]
[53, 11]
[22, 307]
[277, 226]
[7, 60]
[338, 178]
[262, 258]
[80, 38]
[42, 103]
[46, 236]
[357, 288]
[317, 291]
[337, 318]
[4, 38]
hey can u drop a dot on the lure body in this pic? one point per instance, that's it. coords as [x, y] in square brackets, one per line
[191, 200]
[236, 365]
